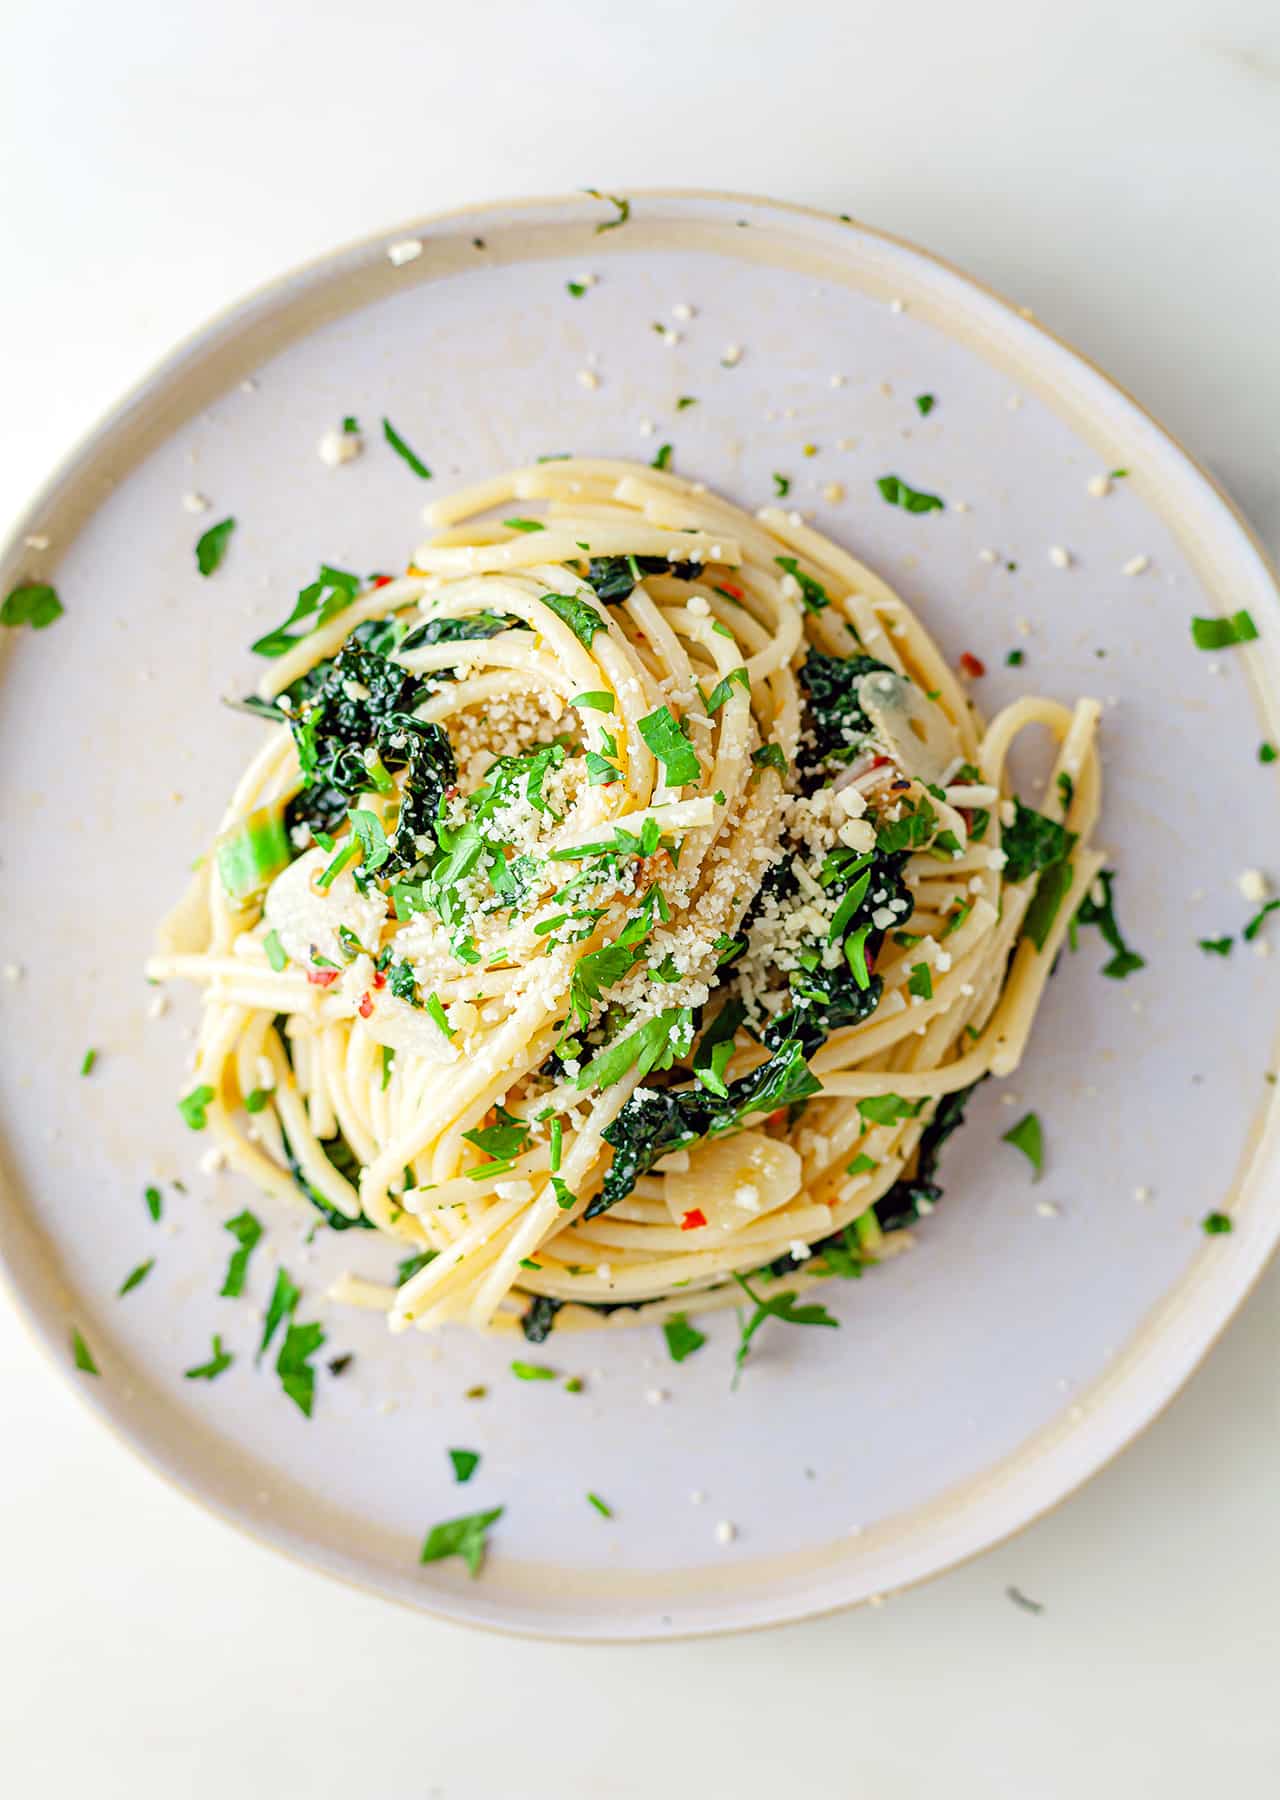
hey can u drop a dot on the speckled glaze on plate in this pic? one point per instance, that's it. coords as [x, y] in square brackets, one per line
[1036, 1328]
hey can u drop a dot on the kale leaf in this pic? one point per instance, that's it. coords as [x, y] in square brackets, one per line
[539, 1317]
[364, 701]
[455, 631]
[656, 1121]
[901, 1205]
[614, 577]
[346, 1162]
[832, 712]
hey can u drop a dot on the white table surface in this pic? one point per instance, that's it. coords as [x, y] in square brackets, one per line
[1113, 167]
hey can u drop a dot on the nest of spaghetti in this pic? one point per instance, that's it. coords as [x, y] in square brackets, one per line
[624, 900]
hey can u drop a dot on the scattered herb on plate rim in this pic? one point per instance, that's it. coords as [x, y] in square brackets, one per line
[682, 1337]
[402, 450]
[32, 603]
[900, 493]
[135, 1277]
[219, 1359]
[465, 1463]
[1221, 633]
[465, 1537]
[1028, 1137]
[212, 546]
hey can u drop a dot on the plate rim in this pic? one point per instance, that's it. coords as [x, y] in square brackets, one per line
[278, 292]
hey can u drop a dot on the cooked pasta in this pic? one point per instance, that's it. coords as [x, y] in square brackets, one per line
[626, 898]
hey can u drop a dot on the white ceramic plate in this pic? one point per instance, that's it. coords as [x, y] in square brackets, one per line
[974, 1382]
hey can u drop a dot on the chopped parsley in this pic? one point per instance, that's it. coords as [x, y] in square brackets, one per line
[887, 1109]
[601, 1506]
[275, 951]
[600, 771]
[1101, 912]
[247, 1231]
[1255, 924]
[669, 742]
[623, 205]
[1219, 634]
[1033, 842]
[465, 1463]
[212, 547]
[284, 1297]
[685, 401]
[1027, 1136]
[293, 1365]
[374, 848]
[527, 1371]
[862, 1164]
[82, 1356]
[682, 1337]
[898, 493]
[1015, 659]
[782, 486]
[435, 1012]
[1219, 946]
[1267, 753]
[583, 620]
[663, 459]
[598, 699]
[465, 1537]
[524, 524]
[192, 1107]
[409, 1266]
[135, 1277]
[402, 449]
[654, 1045]
[32, 603]
[331, 593]
[507, 1138]
[920, 982]
[813, 596]
[782, 1307]
[925, 404]
[1216, 1224]
[723, 688]
[577, 289]
[89, 1058]
[219, 1359]
[155, 1203]
[770, 756]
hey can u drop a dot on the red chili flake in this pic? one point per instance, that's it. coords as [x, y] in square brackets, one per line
[382, 580]
[878, 762]
[972, 666]
[365, 1008]
[693, 1219]
[777, 1118]
[379, 979]
[323, 977]
[727, 587]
